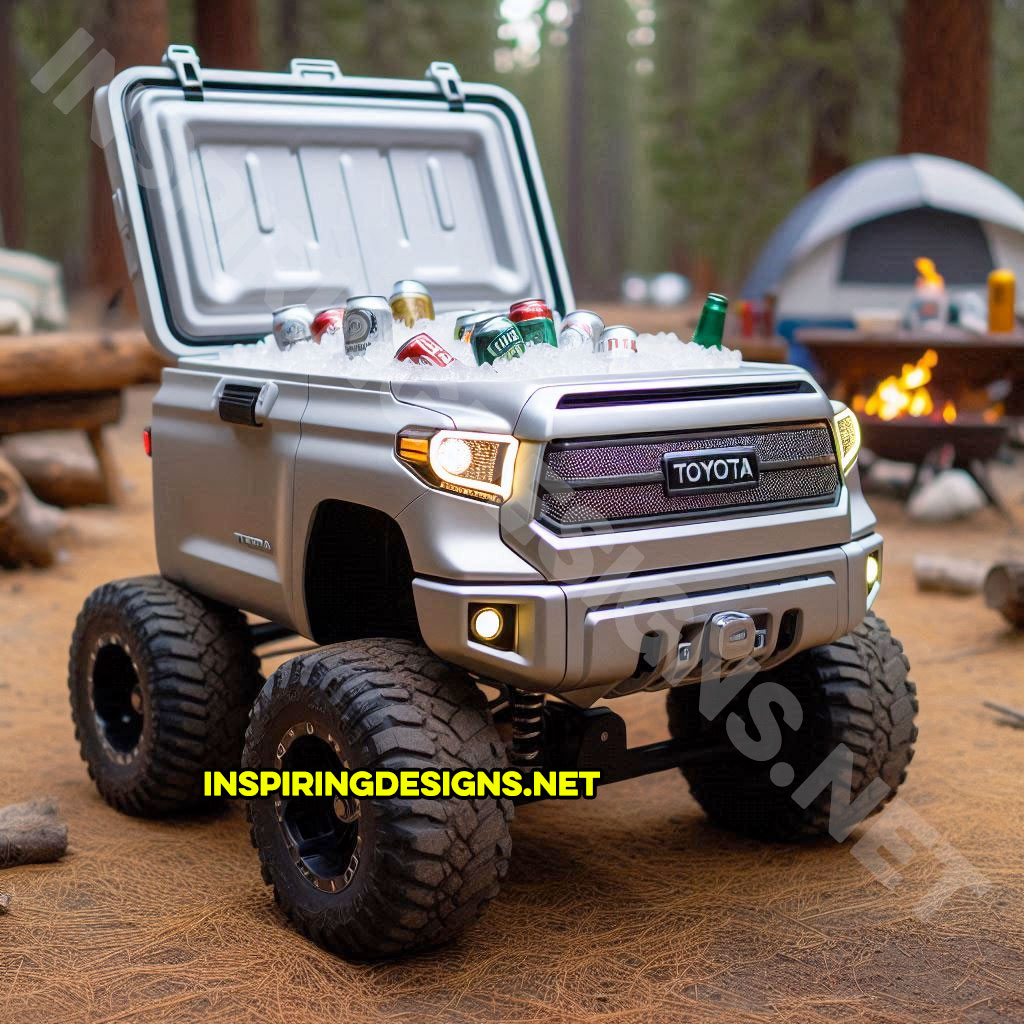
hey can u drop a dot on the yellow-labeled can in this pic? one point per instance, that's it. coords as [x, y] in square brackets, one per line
[410, 301]
[1001, 316]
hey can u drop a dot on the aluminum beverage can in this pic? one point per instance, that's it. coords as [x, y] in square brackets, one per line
[410, 301]
[580, 329]
[292, 324]
[368, 321]
[1001, 314]
[616, 341]
[424, 350]
[329, 322]
[535, 321]
[465, 323]
[496, 338]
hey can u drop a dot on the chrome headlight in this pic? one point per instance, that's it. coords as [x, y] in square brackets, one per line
[475, 465]
[847, 430]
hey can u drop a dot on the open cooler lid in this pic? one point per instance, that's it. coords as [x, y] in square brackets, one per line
[240, 192]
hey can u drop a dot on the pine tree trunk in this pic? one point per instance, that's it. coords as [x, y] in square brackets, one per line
[227, 33]
[135, 32]
[11, 196]
[946, 73]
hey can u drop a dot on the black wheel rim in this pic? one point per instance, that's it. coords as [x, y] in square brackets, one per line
[116, 697]
[322, 832]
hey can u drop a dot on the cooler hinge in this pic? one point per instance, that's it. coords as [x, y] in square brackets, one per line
[185, 62]
[449, 82]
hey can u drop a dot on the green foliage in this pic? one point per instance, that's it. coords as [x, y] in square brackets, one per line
[54, 147]
[733, 156]
[1006, 147]
[698, 161]
[393, 38]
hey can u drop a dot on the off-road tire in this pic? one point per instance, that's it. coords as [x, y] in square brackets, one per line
[426, 867]
[854, 691]
[196, 677]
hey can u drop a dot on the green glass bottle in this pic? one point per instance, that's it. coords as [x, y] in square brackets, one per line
[711, 325]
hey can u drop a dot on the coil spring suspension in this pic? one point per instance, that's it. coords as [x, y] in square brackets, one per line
[527, 727]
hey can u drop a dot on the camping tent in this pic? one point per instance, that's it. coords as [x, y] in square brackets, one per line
[851, 243]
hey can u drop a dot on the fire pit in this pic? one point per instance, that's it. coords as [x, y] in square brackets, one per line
[930, 418]
[913, 440]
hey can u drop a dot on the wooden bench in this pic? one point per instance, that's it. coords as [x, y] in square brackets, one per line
[61, 381]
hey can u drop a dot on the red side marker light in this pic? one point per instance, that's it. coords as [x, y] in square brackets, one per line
[147, 441]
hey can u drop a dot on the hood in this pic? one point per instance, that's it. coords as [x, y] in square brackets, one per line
[536, 410]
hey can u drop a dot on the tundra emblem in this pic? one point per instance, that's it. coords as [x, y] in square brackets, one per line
[722, 469]
[252, 542]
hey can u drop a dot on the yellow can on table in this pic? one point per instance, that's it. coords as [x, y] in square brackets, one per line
[410, 301]
[1001, 314]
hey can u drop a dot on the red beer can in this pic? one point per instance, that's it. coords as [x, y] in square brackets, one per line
[328, 321]
[424, 350]
[529, 309]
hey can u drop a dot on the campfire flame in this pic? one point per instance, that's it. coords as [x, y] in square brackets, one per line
[909, 394]
[905, 395]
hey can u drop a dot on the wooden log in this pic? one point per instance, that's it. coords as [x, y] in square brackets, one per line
[87, 412]
[30, 531]
[109, 472]
[1004, 591]
[31, 833]
[951, 575]
[65, 479]
[43, 364]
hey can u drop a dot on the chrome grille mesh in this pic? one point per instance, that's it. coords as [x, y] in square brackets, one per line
[567, 500]
[645, 457]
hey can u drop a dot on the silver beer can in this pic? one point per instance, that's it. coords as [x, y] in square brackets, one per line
[580, 329]
[292, 324]
[368, 321]
[464, 324]
[616, 341]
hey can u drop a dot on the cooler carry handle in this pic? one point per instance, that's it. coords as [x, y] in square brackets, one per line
[315, 67]
[245, 404]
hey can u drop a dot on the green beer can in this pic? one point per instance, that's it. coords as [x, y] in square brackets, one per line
[497, 338]
[535, 321]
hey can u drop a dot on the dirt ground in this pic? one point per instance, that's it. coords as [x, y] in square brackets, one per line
[627, 908]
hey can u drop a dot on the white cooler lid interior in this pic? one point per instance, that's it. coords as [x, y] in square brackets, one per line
[261, 194]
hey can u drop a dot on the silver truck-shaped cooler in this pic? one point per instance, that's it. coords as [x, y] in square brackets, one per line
[446, 608]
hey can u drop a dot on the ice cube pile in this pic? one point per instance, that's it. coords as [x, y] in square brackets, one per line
[655, 352]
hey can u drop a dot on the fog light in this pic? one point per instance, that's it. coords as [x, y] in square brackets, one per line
[488, 623]
[494, 625]
[872, 570]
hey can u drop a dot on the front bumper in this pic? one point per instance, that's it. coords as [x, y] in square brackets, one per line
[585, 640]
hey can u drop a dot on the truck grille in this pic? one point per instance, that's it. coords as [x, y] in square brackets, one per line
[603, 484]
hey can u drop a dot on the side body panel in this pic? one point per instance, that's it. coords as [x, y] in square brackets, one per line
[222, 492]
